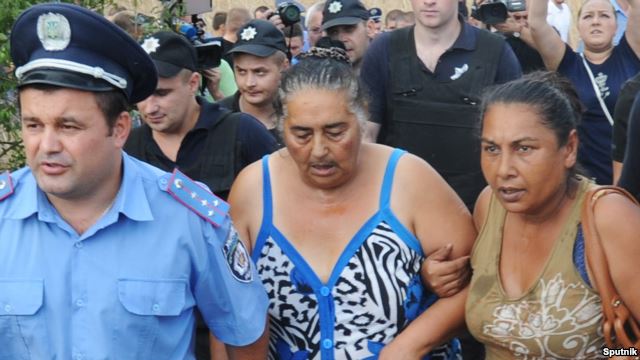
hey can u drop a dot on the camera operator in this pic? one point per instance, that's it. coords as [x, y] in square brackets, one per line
[516, 31]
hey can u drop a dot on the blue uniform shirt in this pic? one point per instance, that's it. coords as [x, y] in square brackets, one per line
[126, 288]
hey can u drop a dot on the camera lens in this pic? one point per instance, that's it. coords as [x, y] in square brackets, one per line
[289, 14]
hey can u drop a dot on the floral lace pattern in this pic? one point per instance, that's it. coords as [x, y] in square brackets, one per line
[547, 328]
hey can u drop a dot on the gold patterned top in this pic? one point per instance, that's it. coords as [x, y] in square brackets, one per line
[559, 317]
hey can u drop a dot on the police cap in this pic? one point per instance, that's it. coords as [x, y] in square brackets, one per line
[69, 46]
[375, 14]
[260, 38]
[343, 12]
[171, 52]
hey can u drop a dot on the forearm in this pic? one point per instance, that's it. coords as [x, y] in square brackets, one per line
[442, 321]
[632, 32]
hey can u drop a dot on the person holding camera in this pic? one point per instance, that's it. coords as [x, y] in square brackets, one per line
[182, 130]
[598, 73]
[515, 29]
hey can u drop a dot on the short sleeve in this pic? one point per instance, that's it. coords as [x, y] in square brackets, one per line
[374, 74]
[229, 292]
[621, 117]
[508, 67]
[630, 178]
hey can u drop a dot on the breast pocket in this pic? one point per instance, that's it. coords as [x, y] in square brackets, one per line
[152, 308]
[23, 328]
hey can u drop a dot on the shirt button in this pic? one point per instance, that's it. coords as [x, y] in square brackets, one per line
[79, 303]
[327, 343]
[8, 308]
[78, 245]
[324, 291]
[155, 307]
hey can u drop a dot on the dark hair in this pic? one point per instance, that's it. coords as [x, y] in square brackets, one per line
[552, 96]
[323, 68]
[111, 103]
[260, 9]
[219, 19]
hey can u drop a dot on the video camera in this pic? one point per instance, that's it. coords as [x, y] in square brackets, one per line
[209, 50]
[496, 11]
[289, 13]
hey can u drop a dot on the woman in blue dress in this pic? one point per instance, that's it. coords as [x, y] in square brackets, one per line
[339, 229]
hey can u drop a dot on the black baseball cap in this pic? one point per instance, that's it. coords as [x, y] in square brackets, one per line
[171, 52]
[343, 12]
[260, 38]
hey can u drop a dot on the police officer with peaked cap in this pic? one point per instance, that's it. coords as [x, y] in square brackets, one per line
[101, 255]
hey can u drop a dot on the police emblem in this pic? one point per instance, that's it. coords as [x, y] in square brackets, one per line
[248, 33]
[53, 31]
[237, 257]
[150, 45]
[335, 7]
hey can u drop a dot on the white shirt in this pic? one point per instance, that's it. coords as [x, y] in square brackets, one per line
[559, 18]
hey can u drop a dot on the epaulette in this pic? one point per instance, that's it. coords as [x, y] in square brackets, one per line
[197, 198]
[6, 185]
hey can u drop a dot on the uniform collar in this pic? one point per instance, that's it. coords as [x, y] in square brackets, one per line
[205, 120]
[131, 199]
[467, 38]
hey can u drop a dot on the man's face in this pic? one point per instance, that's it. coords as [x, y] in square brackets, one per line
[435, 14]
[354, 37]
[258, 78]
[70, 149]
[166, 110]
[295, 44]
[374, 29]
[315, 27]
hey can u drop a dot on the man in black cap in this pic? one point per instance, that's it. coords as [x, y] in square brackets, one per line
[185, 131]
[259, 58]
[102, 255]
[348, 21]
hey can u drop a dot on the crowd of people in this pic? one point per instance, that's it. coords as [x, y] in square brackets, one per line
[353, 185]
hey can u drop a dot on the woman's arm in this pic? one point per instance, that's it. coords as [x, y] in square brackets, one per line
[437, 217]
[548, 42]
[632, 32]
[617, 220]
[245, 199]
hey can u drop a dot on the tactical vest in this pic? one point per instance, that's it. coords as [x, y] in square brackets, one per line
[217, 167]
[439, 121]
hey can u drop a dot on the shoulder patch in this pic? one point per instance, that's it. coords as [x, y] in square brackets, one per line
[6, 185]
[237, 257]
[197, 198]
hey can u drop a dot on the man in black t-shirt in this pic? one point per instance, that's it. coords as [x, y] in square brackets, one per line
[184, 131]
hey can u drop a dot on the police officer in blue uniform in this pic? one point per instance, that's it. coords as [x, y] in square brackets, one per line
[101, 255]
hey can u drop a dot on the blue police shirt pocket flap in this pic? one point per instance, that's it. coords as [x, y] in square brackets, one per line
[153, 297]
[21, 297]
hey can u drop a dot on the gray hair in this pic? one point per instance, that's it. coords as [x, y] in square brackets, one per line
[323, 73]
